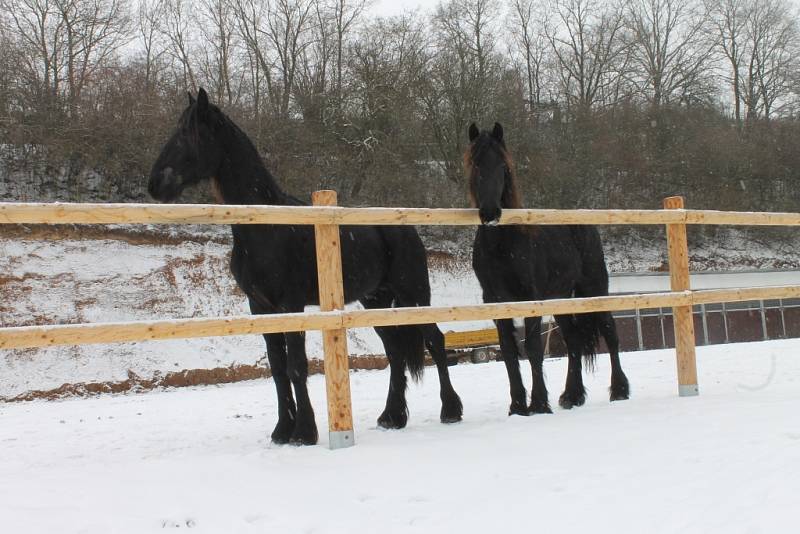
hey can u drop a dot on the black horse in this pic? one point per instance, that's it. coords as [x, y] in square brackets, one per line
[275, 266]
[515, 263]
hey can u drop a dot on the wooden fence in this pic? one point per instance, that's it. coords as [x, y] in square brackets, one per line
[333, 320]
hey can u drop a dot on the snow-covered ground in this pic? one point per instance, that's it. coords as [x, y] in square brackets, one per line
[199, 458]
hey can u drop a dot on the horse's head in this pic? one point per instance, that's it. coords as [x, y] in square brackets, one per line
[489, 169]
[192, 154]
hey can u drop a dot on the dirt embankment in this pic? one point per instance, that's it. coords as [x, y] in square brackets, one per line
[133, 235]
[188, 377]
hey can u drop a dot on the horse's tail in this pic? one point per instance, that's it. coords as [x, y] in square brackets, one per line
[594, 283]
[414, 348]
[407, 345]
[588, 327]
[408, 279]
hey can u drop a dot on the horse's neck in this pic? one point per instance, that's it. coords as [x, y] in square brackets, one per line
[243, 178]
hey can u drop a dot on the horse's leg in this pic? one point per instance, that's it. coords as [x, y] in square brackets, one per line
[407, 295]
[305, 428]
[619, 390]
[533, 346]
[395, 414]
[574, 391]
[452, 410]
[508, 348]
[276, 353]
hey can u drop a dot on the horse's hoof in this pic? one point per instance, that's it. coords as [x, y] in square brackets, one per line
[305, 434]
[449, 419]
[392, 422]
[571, 401]
[452, 410]
[518, 409]
[540, 408]
[279, 439]
[283, 432]
[620, 391]
[618, 396]
[303, 440]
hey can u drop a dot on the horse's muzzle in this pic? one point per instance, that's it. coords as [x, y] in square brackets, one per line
[164, 185]
[489, 216]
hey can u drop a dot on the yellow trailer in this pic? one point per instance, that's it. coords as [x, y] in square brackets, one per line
[480, 345]
[470, 338]
[483, 345]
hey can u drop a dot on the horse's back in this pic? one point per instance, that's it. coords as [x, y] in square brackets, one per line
[278, 263]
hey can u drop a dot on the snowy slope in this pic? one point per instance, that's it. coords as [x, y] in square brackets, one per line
[722, 462]
[66, 281]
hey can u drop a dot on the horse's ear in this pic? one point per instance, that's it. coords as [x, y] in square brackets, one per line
[191, 98]
[497, 132]
[202, 102]
[473, 132]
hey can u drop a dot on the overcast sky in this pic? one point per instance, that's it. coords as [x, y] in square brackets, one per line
[396, 7]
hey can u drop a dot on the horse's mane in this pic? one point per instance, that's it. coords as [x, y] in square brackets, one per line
[511, 198]
[260, 174]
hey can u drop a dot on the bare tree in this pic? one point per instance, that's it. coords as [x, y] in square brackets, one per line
[759, 39]
[176, 28]
[250, 16]
[344, 13]
[92, 31]
[150, 19]
[775, 42]
[532, 45]
[670, 53]
[38, 28]
[287, 25]
[281, 28]
[217, 25]
[65, 42]
[728, 22]
[314, 76]
[590, 53]
[462, 80]
[7, 77]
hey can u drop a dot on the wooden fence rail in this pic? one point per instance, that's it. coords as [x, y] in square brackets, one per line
[56, 213]
[96, 333]
[326, 217]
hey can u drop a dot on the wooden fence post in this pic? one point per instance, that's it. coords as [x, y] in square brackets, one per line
[682, 319]
[334, 342]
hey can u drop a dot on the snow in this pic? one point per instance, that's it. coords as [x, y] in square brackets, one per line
[200, 457]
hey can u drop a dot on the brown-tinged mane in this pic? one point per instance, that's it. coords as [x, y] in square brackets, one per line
[511, 198]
